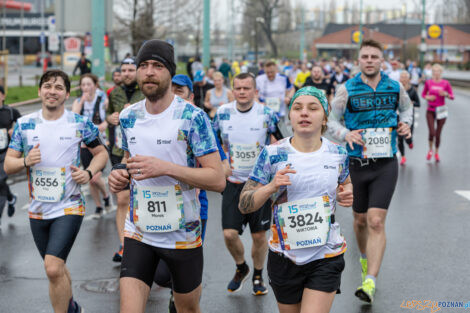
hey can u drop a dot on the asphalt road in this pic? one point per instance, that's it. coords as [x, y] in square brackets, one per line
[426, 256]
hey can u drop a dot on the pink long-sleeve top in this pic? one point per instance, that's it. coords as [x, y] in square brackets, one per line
[432, 87]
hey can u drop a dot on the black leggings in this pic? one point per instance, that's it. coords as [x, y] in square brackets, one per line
[435, 132]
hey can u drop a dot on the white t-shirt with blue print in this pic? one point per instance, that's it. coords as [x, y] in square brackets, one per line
[317, 174]
[244, 134]
[59, 142]
[179, 135]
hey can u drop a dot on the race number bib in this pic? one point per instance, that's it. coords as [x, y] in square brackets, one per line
[157, 209]
[273, 103]
[118, 137]
[47, 183]
[378, 143]
[303, 223]
[243, 156]
[3, 138]
[442, 112]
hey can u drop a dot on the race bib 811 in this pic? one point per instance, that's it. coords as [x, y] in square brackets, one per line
[157, 209]
[303, 223]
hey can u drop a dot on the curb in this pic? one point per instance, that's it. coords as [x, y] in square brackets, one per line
[34, 101]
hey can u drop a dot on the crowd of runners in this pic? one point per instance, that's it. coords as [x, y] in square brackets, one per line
[169, 138]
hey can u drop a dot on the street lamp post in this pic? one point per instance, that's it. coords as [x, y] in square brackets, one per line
[258, 20]
[302, 36]
[206, 40]
[360, 28]
[423, 36]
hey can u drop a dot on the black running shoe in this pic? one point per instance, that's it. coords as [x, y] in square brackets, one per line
[11, 206]
[237, 282]
[171, 305]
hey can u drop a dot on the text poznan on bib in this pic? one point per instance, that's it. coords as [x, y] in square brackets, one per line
[303, 223]
[157, 209]
[47, 183]
[378, 143]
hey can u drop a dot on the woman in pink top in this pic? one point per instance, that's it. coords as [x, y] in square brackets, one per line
[435, 91]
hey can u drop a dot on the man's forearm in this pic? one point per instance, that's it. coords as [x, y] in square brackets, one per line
[203, 178]
[13, 165]
[99, 161]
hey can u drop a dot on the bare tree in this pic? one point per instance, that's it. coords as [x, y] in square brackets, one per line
[141, 20]
[263, 12]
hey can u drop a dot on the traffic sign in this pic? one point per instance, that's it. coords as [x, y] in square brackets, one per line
[53, 41]
[72, 44]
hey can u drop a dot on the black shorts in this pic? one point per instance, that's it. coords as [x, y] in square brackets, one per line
[140, 261]
[232, 218]
[56, 236]
[374, 183]
[288, 280]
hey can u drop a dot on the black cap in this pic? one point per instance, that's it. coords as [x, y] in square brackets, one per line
[160, 51]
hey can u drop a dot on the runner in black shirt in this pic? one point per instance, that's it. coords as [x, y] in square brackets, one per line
[8, 117]
[317, 80]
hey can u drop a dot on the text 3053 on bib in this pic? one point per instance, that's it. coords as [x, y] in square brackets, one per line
[47, 183]
[303, 223]
[378, 143]
[157, 209]
[243, 156]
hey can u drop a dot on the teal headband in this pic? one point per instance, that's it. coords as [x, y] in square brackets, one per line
[311, 91]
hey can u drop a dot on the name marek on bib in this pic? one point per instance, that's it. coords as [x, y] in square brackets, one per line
[157, 209]
[47, 184]
[378, 143]
[303, 223]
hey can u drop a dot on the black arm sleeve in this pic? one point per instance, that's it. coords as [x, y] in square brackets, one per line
[277, 134]
[414, 97]
[95, 143]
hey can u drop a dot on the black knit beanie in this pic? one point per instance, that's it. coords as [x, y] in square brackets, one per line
[157, 50]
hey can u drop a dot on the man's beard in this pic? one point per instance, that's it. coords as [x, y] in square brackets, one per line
[155, 94]
[52, 108]
[371, 75]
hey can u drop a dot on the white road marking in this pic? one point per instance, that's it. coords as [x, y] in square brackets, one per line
[463, 193]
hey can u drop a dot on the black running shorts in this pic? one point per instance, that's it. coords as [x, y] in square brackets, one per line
[56, 236]
[232, 218]
[140, 261]
[288, 280]
[373, 183]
